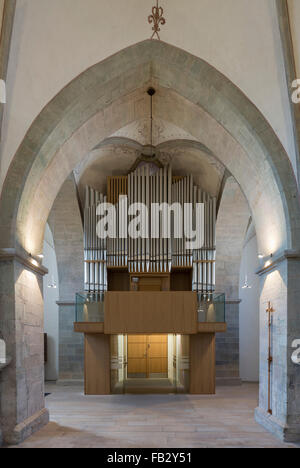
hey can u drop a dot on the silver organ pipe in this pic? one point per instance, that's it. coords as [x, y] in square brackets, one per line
[156, 255]
[204, 266]
[95, 273]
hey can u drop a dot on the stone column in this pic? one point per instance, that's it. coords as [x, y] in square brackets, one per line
[280, 285]
[66, 226]
[232, 221]
[22, 326]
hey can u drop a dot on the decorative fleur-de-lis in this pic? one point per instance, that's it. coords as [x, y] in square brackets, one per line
[157, 19]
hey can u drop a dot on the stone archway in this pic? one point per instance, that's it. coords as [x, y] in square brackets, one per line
[197, 98]
[204, 96]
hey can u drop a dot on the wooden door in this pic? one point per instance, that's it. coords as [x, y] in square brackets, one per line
[147, 356]
[157, 355]
[137, 356]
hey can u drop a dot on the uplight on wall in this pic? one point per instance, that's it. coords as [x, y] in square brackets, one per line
[2, 352]
[52, 284]
[2, 92]
[266, 258]
[263, 256]
[246, 284]
[34, 261]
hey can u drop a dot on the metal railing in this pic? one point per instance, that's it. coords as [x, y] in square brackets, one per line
[211, 308]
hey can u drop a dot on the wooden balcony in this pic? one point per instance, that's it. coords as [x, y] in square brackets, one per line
[150, 312]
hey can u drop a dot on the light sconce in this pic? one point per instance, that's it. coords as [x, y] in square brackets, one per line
[33, 260]
[2, 92]
[266, 257]
[246, 284]
[53, 284]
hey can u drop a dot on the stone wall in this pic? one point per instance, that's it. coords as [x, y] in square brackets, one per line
[233, 218]
[21, 324]
[227, 348]
[249, 310]
[280, 285]
[66, 225]
[210, 28]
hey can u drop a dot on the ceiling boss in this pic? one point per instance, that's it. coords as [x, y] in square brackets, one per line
[157, 19]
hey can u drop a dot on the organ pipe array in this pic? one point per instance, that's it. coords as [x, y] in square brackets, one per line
[150, 254]
[204, 259]
[95, 248]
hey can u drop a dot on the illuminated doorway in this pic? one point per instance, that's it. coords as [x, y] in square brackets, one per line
[150, 363]
[147, 356]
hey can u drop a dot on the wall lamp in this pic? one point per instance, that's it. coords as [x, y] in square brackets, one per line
[52, 284]
[33, 260]
[262, 256]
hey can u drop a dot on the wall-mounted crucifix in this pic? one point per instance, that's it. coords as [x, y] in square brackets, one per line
[269, 311]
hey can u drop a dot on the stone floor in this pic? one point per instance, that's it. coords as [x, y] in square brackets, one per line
[144, 386]
[154, 421]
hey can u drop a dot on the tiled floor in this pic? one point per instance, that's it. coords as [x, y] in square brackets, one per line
[155, 421]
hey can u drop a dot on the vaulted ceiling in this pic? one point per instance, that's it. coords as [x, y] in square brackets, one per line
[116, 155]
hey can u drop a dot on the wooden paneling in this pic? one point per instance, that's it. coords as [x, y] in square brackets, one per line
[150, 312]
[97, 364]
[96, 328]
[88, 327]
[202, 364]
[150, 282]
[176, 179]
[118, 280]
[181, 280]
[212, 327]
[116, 186]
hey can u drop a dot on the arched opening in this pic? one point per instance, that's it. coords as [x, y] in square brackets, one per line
[214, 118]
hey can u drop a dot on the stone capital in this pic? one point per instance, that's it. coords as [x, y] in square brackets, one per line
[277, 259]
[11, 255]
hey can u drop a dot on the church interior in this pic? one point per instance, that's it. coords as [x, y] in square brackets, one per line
[149, 341]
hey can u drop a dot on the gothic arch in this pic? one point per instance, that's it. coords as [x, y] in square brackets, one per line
[108, 96]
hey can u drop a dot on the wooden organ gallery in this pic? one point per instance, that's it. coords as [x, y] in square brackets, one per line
[149, 311]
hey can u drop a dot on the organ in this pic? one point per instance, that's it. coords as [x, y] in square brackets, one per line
[149, 184]
[149, 309]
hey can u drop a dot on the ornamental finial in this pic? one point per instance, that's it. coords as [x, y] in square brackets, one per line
[157, 19]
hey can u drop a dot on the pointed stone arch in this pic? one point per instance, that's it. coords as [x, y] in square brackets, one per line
[203, 96]
[197, 98]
